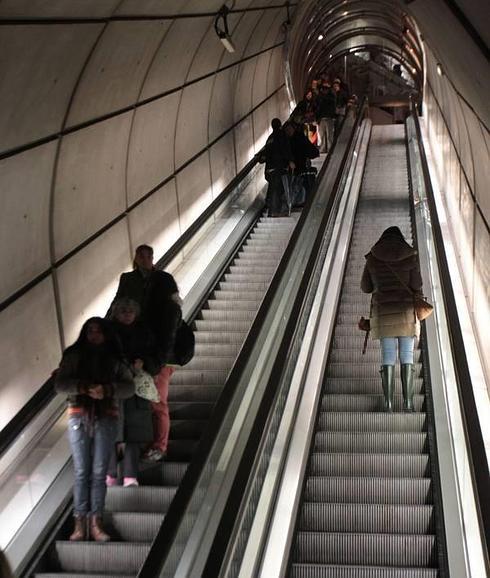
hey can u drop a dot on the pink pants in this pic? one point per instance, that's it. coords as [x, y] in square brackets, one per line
[161, 416]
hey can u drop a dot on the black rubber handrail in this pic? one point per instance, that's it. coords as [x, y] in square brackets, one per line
[474, 439]
[46, 392]
[163, 541]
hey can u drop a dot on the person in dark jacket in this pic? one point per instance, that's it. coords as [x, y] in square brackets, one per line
[303, 151]
[326, 115]
[392, 275]
[136, 422]
[137, 284]
[278, 159]
[95, 376]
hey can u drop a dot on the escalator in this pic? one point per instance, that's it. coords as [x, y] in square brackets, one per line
[367, 508]
[134, 514]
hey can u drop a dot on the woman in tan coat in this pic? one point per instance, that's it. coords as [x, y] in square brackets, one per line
[392, 275]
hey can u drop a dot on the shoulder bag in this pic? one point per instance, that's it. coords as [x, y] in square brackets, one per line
[423, 308]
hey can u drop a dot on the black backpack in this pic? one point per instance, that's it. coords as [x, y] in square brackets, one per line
[185, 343]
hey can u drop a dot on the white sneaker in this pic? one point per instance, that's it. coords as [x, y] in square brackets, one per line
[127, 482]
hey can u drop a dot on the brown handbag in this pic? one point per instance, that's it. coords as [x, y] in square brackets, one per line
[423, 308]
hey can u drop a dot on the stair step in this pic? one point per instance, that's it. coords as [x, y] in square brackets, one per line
[362, 402]
[373, 550]
[194, 393]
[369, 465]
[111, 557]
[139, 498]
[366, 385]
[371, 442]
[371, 422]
[343, 571]
[369, 490]
[367, 518]
[133, 526]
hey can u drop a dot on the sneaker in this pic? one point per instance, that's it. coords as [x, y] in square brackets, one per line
[110, 481]
[127, 482]
[154, 455]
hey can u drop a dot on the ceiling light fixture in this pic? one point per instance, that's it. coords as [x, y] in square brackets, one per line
[440, 72]
[320, 37]
[221, 28]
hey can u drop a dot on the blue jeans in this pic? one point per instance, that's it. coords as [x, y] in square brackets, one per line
[388, 349]
[91, 448]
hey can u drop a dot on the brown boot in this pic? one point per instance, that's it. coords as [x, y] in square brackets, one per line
[80, 531]
[97, 531]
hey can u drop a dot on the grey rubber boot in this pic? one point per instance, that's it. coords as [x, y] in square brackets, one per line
[388, 380]
[407, 371]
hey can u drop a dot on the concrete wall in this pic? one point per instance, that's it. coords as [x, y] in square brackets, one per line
[114, 131]
[457, 111]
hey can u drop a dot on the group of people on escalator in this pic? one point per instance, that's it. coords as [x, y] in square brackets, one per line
[110, 374]
[289, 149]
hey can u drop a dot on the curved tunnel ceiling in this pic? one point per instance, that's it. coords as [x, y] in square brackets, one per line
[339, 27]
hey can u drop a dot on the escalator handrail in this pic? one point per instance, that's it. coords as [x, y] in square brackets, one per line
[45, 394]
[474, 439]
[162, 544]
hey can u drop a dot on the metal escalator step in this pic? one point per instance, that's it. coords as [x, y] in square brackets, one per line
[190, 410]
[235, 305]
[181, 450]
[369, 490]
[256, 269]
[242, 325]
[369, 549]
[371, 422]
[209, 377]
[225, 315]
[132, 526]
[372, 355]
[363, 369]
[369, 465]
[221, 295]
[371, 442]
[366, 385]
[241, 286]
[139, 498]
[336, 571]
[192, 393]
[111, 557]
[220, 337]
[271, 251]
[248, 278]
[78, 575]
[360, 402]
[187, 428]
[205, 362]
[161, 473]
[217, 349]
[367, 518]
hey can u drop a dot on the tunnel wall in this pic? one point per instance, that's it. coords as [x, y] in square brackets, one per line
[115, 130]
[456, 109]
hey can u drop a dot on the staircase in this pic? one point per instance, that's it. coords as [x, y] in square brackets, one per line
[134, 514]
[367, 509]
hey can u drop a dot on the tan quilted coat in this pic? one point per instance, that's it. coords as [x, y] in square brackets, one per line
[392, 311]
